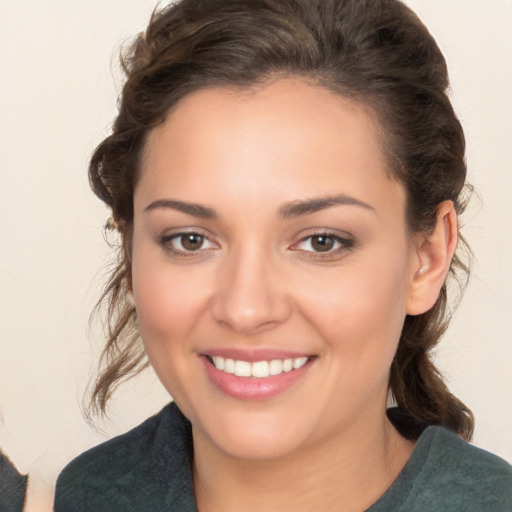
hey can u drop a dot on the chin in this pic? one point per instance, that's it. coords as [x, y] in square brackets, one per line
[259, 447]
[255, 436]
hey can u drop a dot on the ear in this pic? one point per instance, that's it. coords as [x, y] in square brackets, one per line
[431, 260]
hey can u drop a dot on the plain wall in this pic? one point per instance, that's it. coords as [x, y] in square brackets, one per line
[59, 80]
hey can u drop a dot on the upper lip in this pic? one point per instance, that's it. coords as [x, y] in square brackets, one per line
[253, 355]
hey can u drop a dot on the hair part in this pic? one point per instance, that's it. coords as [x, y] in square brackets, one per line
[376, 52]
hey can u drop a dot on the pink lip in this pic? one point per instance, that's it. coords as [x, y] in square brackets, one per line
[252, 388]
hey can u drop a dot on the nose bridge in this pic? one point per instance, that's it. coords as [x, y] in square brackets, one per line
[249, 295]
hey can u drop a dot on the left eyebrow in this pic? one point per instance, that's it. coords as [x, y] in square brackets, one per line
[309, 206]
[193, 209]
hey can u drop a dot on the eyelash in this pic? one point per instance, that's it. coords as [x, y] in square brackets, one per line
[166, 241]
[341, 245]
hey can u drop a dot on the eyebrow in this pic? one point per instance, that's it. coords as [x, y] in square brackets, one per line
[309, 206]
[288, 211]
[194, 209]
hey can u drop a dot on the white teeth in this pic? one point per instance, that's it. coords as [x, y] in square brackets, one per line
[288, 365]
[258, 369]
[276, 367]
[242, 369]
[229, 366]
[299, 362]
[218, 362]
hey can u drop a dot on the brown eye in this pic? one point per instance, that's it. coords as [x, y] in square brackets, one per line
[191, 241]
[186, 243]
[322, 243]
[327, 244]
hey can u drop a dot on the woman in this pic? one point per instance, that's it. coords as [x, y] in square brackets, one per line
[286, 178]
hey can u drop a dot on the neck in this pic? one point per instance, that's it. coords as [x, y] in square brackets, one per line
[348, 472]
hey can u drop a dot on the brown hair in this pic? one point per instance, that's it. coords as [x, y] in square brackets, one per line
[374, 51]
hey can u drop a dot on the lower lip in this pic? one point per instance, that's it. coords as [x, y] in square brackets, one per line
[253, 388]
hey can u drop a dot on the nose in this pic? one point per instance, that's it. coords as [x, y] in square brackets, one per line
[250, 294]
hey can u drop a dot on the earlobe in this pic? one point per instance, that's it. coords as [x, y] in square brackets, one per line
[432, 259]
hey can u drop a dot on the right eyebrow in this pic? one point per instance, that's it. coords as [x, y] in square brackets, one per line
[194, 209]
[309, 206]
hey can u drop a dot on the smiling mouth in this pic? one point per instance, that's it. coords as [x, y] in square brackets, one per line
[257, 369]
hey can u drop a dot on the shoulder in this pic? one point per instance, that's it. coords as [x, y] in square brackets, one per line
[459, 476]
[130, 472]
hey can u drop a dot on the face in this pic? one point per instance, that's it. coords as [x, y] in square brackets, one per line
[271, 266]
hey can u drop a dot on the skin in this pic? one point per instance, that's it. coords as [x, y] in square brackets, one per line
[256, 282]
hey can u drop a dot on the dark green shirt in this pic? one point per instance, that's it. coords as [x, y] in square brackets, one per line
[12, 486]
[148, 469]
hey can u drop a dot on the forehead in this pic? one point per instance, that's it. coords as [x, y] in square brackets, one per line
[278, 140]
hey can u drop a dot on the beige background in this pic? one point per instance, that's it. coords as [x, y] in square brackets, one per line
[57, 99]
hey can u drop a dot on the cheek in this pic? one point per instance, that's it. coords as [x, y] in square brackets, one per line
[168, 299]
[170, 309]
[360, 310]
